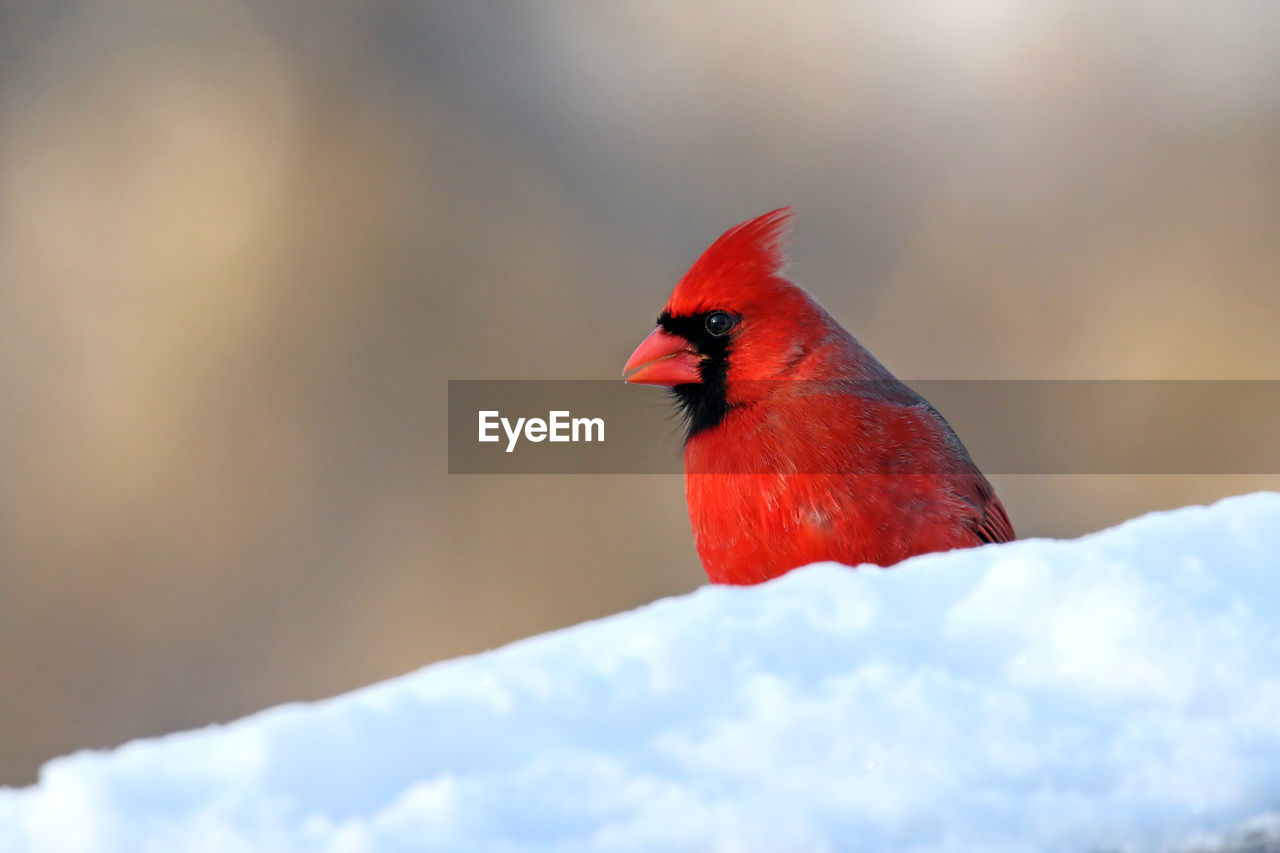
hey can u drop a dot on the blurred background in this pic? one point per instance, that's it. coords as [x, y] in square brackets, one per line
[244, 245]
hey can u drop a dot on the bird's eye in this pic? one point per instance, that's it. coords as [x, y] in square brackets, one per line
[720, 323]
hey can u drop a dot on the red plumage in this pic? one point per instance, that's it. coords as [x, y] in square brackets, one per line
[802, 447]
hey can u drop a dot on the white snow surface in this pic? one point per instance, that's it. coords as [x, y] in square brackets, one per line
[1117, 692]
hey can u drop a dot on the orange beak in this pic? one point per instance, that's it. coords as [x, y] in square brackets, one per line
[663, 359]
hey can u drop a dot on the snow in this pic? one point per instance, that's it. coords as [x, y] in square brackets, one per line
[1118, 692]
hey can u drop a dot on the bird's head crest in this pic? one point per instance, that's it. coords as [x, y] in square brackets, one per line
[745, 263]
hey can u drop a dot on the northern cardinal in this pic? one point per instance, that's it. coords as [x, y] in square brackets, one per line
[801, 446]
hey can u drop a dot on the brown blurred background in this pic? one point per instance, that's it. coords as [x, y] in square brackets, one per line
[243, 246]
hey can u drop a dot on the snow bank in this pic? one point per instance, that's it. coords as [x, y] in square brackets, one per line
[1121, 691]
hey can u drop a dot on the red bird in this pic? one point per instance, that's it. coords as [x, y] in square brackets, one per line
[801, 446]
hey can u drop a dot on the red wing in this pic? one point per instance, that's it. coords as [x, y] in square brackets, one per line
[994, 525]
